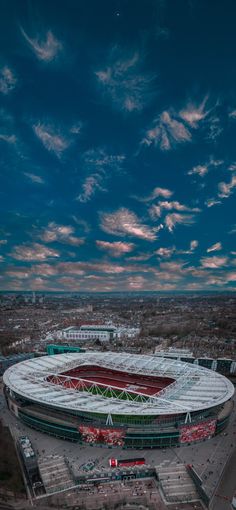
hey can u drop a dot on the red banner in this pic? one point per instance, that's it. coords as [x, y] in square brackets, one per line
[198, 432]
[112, 437]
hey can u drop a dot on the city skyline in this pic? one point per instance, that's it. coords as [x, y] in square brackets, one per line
[117, 127]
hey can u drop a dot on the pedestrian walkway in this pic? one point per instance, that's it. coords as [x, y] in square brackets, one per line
[175, 483]
[55, 473]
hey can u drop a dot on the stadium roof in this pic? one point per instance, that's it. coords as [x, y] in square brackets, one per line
[195, 388]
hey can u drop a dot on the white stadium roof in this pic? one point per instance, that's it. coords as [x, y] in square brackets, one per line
[195, 388]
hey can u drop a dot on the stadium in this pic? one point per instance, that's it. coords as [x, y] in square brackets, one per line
[118, 399]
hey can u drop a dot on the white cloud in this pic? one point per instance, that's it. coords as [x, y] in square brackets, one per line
[232, 114]
[52, 140]
[215, 247]
[60, 233]
[142, 257]
[8, 138]
[193, 245]
[156, 210]
[173, 266]
[231, 277]
[161, 192]
[165, 252]
[157, 192]
[210, 202]
[168, 275]
[126, 222]
[172, 271]
[89, 187]
[39, 283]
[34, 178]
[81, 223]
[226, 189]
[214, 262]
[8, 80]
[166, 132]
[76, 128]
[115, 248]
[215, 162]
[18, 273]
[44, 270]
[46, 49]
[215, 280]
[7, 130]
[192, 114]
[233, 229]
[100, 159]
[214, 128]
[33, 251]
[203, 169]
[123, 81]
[136, 282]
[80, 268]
[199, 170]
[171, 128]
[173, 219]
[163, 286]
[101, 165]
[70, 282]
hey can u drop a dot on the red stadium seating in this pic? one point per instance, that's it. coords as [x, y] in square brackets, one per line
[142, 384]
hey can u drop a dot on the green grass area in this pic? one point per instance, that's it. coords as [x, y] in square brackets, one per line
[10, 472]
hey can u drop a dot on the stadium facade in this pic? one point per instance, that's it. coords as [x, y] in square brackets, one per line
[118, 399]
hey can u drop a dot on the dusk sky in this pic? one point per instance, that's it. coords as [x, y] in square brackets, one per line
[118, 145]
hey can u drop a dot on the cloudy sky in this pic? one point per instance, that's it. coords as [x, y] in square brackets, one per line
[118, 145]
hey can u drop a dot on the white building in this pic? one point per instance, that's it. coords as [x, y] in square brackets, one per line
[104, 333]
[122, 332]
[173, 352]
[86, 333]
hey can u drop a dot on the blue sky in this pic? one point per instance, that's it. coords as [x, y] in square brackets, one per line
[117, 145]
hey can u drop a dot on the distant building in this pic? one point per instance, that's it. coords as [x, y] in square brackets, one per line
[222, 365]
[104, 333]
[81, 309]
[122, 332]
[174, 353]
[86, 333]
[62, 349]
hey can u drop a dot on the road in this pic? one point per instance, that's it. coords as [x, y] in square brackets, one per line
[227, 486]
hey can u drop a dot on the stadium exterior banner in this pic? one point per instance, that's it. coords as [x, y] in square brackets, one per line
[198, 432]
[94, 435]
